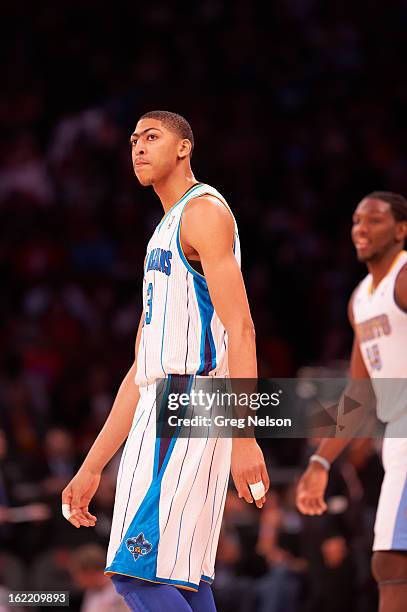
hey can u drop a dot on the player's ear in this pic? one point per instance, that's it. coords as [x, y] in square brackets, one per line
[401, 230]
[184, 148]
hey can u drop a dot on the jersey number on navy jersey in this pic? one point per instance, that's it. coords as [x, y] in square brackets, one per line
[149, 312]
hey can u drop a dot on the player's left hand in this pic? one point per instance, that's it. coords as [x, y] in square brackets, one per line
[248, 467]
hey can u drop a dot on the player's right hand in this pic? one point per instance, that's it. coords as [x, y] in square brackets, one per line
[311, 490]
[78, 494]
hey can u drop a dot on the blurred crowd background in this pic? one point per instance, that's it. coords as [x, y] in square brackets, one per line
[298, 110]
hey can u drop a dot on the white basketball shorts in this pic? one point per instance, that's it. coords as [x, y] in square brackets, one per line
[170, 497]
[391, 518]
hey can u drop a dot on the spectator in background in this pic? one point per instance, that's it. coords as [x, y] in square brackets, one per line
[50, 570]
[103, 504]
[59, 460]
[4, 495]
[281, 588]
[237, 564]
[11, 572]
[337, 587]
[88, 563]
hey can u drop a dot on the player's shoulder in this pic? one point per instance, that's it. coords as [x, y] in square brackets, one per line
[207, 224]
[401, 277]
[400, 288]
[207, 209]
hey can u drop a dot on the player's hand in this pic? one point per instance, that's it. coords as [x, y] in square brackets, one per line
[248, 467]
[311, 490]
[77, 495]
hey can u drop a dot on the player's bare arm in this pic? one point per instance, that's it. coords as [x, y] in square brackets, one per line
[80, 490]
[312, 485]
[207, 233]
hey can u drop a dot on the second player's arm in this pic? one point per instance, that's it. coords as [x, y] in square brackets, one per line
[80, 490]
[208, 229]
[312, 485]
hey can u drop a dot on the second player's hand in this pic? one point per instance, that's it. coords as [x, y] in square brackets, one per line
[78, 494]
[248, 467]
[311, 490]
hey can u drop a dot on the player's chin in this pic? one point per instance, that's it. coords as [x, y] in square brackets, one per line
[365, 255]
[144, 181]
[144, 178]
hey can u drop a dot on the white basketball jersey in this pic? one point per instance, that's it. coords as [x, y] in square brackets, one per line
[381, 329]
[181, 333]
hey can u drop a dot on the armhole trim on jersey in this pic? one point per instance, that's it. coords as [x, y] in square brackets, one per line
[184, 259]
[400, 308]
[180, 250]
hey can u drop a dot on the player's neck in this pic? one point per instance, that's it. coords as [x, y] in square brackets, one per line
[172, 188]
[379, 269]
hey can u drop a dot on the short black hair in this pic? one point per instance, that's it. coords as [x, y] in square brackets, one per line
[398, 203]
[173, 121]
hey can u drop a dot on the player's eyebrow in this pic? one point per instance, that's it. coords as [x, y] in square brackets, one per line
[368, 214]
[135, 135]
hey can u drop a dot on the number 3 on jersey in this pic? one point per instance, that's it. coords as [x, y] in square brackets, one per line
[149, 303]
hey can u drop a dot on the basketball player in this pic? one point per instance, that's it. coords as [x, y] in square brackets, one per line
[196, 321]
[378, 314]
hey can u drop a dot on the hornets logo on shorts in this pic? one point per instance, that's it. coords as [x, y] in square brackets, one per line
[138, 546]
